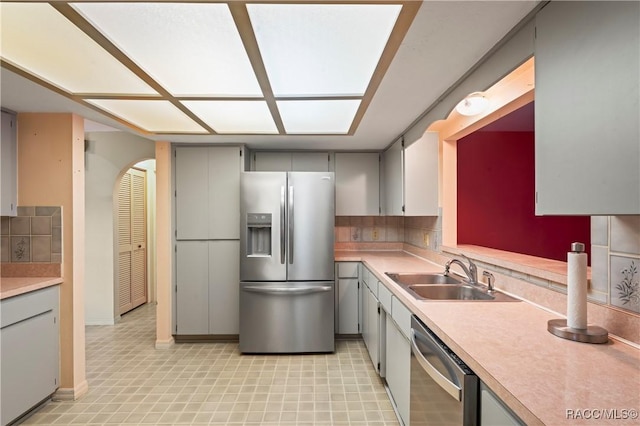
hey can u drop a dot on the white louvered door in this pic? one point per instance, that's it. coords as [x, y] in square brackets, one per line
[132, 241]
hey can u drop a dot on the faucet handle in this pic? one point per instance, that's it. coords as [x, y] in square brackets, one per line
[490, 279]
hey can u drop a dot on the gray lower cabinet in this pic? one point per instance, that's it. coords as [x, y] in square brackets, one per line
[347, 298]
[493, 412]
[373, 324]
[206, 292]
[29, 350]
[398, 357]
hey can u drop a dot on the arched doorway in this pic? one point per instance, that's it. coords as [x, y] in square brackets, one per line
[134, 201]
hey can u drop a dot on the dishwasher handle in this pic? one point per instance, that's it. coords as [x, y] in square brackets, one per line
[287, 290]
[451, 388]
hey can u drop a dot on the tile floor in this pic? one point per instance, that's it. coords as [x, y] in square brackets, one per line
[130, 382]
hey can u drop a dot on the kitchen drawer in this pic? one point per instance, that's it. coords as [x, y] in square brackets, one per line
[19, 308]
[348, 270]
[365, 275]
[370, 281]
[401, 315]
[384, 296]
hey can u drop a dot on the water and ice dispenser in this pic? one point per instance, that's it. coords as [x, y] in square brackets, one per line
[259, 226]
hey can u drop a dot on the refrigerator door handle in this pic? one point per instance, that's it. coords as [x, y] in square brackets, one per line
[291, 225]
[282, 225]
[287, 290]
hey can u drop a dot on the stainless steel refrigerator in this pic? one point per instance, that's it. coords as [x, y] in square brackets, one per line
[286, 262]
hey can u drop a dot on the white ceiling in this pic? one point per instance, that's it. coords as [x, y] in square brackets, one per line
[444, 41]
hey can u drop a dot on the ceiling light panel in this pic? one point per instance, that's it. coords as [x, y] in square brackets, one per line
[321, 49]
[318, 117]
[235, 116]
[152, 116]
[189, 48]
[38, 39]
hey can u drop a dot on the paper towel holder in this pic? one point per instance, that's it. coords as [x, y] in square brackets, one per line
[591, 334]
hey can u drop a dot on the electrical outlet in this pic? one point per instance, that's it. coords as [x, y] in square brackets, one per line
[374, 234]
[425, 238]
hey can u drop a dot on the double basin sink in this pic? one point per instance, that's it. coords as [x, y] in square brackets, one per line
[446, 287]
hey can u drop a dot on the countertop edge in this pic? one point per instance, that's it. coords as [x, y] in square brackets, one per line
[16, 286]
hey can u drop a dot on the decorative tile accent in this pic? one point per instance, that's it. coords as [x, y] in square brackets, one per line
[21, 249]
[625, 283]
[35, 235]
[355, 234]
[625, 234]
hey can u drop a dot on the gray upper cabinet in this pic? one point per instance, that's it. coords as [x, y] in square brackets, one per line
[277, 161]
[8, 152]
[421, 176]
[224, 193]
[410, 177]
[357, 184]
[587, 131]
[392, 182]
[207, 193]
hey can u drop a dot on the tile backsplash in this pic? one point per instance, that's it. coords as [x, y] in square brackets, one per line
[423, 231]
[33, 236]
[369, 229]
[615, 253]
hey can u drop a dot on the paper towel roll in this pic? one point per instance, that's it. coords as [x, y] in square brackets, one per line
[577, 290]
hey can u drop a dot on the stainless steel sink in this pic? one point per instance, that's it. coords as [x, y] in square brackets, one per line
[444, 287]
[449, 292]
[411, 279]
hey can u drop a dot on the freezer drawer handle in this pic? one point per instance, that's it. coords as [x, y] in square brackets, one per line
[451, 388]
[282, 225]
[287, 290]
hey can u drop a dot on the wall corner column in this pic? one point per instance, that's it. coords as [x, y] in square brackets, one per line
[164, 252]
[51, 172]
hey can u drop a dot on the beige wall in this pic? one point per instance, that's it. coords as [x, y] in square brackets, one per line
[51, 173]
[108, 156]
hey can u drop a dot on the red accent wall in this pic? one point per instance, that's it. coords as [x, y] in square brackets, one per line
[496, 199]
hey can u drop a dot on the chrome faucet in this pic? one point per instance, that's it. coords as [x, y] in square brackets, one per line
[471, 271]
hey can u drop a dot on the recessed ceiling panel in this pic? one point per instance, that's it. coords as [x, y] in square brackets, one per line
[38, 39]
[321, 49]
[235, 116]
[189, 48]
[318, 117]
[152, 116]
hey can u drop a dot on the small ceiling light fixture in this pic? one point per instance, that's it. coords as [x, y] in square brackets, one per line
[473, 104]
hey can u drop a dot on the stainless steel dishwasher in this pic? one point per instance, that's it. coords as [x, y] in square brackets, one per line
[444, 391]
